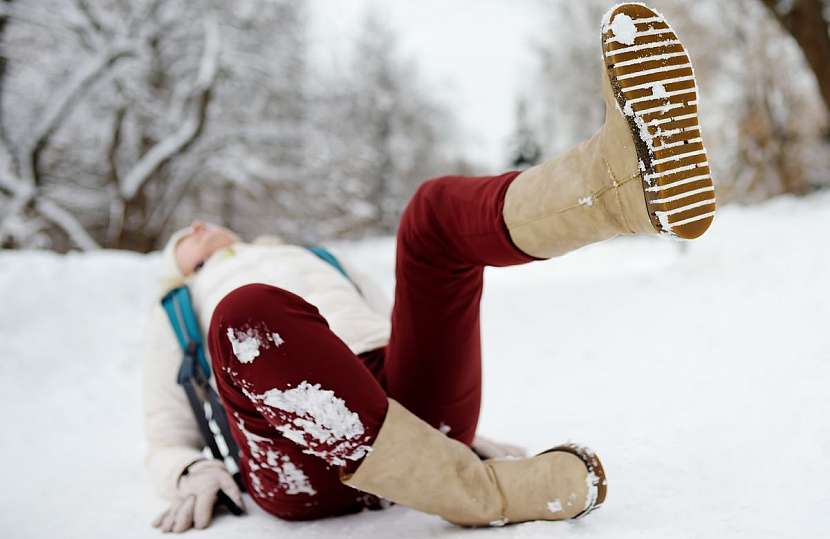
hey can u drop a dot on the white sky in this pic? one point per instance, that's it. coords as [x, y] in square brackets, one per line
[474, 53]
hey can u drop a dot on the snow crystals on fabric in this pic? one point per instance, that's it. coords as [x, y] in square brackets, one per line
[275, 337]
[291, 479]
[444, 428]
[499, 523]
[248, 341]
[245, 345]
[586, 201]
[316, 419]
[555, 506]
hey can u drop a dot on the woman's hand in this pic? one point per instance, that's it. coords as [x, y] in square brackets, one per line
[198, 490]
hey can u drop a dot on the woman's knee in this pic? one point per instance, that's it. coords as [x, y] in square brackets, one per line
[252, 298]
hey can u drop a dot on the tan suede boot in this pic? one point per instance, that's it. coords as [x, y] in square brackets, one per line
[645, 171]
[415, 465]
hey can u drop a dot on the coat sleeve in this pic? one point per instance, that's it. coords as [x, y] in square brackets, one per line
[173, 437]
[372, 293]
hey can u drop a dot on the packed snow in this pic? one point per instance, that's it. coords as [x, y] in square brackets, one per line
[293, 480]
[698, 371]
[314, 418]
[245, 345]
[623, 29]
[555, 506]
[658, 91]
[276, 339]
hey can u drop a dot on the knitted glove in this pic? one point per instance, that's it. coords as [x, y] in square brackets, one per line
[198, 489]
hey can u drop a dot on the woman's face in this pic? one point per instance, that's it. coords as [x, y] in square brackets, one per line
[203, 241]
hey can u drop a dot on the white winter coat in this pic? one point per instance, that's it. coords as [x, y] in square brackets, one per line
[361, 321]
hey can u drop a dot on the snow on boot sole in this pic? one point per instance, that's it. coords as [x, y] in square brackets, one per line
[653, 81]
[596, 481]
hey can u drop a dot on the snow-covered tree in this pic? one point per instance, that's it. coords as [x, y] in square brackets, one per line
[120, 121]
[385, 134]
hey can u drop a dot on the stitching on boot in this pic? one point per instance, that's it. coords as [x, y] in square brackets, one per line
[494, 477]
[616, 186]
[594, 194]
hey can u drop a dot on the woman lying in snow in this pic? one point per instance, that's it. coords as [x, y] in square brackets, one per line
[336, 402]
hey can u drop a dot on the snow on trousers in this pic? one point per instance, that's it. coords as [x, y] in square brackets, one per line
[302, 405]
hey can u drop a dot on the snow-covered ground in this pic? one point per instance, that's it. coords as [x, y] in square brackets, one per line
[702, 376]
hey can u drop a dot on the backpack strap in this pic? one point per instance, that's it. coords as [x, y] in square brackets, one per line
[326, 255]
[179, 307]
[194, 377]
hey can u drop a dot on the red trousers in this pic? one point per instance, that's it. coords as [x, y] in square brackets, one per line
[302, 405]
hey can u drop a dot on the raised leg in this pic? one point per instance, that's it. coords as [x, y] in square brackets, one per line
[450, 230]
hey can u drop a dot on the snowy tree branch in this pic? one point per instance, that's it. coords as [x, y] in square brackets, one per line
[116, 209]
[64, 103]
[178, 141]
[26, 190]
[173, 195]
[25, 194]
[66, 222]
[92, 18]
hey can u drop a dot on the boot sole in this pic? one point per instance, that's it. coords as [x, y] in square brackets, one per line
[653, 80]
[596, 473]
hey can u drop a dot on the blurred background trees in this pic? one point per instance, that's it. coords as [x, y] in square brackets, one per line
[766, 122]
[121, 120]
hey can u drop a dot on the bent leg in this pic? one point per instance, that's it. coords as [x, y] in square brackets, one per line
[450, 230]
[300, 403]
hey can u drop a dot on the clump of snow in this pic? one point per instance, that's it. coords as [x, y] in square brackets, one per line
[645, 134]
[245, 344]
[444, 428]
[499, 523]
[591, 481]
[587, 200]
[329, 416]
[292, 480]
[659, 91]
[321, 423]
[290, 476]
[624, 29]
[555, 506]
[663, 217]
[276, 339]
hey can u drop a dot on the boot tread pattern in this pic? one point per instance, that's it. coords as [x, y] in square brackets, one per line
[653, 80]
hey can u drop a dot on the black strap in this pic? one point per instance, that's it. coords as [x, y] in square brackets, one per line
[205, 407]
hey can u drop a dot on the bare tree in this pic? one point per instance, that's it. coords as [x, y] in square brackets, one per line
[808, 22]
[120, 121]
[29, 173]
[385, 135]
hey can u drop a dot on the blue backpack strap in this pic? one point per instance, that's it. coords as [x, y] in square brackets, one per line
[325, 255]
[194, 375]
[179, 307]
